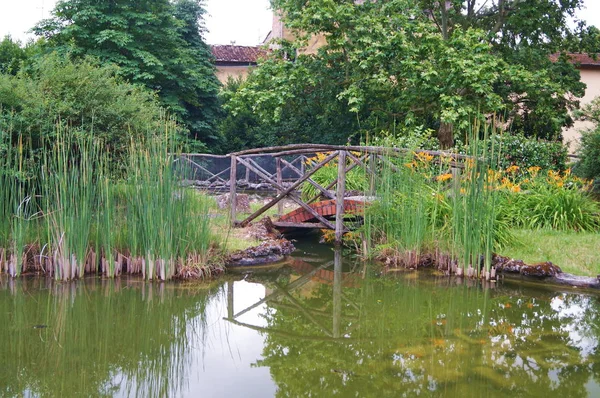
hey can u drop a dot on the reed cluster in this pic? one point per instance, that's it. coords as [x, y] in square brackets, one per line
[433, 209]
[16, 204]
[67, 216]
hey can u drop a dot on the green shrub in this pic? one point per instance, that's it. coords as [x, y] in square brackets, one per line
[515, 149]
[528, 152]
[549, 207]
[81, 96]
[589, 154]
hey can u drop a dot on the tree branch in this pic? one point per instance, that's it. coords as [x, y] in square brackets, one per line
[501, 18]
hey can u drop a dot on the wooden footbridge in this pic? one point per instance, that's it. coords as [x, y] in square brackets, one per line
[285, 169]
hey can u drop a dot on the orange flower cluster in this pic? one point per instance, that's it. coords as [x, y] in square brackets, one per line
[511, 181]
[318, 158]
[444, 177]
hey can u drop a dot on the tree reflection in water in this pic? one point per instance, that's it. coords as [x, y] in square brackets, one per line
[323, 331]
[420, 334]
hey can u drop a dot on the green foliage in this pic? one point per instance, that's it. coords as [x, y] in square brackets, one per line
[516, 149]
[476, 231]
[157, 44]
[301, 105]
[562, 210]
[241, 129]
[356, 180]
[80, 95]
[69, 188]
[166, 224]
[11, 55]
[89, 222]
[546, 205]
[16, 57]
[16, 204]
[416, 137]
[589, 150]
[390, 63]
[529, 152]
[589, 153]
[424, 209]
[401, 214]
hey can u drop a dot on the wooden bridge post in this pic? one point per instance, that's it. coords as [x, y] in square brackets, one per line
[339, 200]
[230, 299]
[280, 182]
[372, 165]
[232, 189]
[337, 292]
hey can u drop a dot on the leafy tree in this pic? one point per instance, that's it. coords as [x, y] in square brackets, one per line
[154, 42]
[15, 57]
[306, 111]
[589, 150]
[398, 64]
[11, 55]
[80, 95]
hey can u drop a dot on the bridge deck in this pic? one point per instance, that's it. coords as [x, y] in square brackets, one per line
[301, 218]
[296, 164]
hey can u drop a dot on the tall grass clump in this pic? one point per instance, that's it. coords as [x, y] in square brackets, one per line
[168, 226]
[16, 204]
[474, 213]
[69, 183]
[401, 216]
[440, 209]
[71, 216]
[107, 228]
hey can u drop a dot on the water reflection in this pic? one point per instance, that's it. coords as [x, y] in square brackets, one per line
[420, 335]
[97, 337]
[311, 328]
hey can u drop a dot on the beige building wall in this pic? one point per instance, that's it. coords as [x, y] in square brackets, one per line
[591, 77]
[279, 31]
[224, 72]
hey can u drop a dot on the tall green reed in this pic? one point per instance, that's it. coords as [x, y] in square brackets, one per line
[16, 204]
[401, 216]
[439, 207]
[474, 211]
[70, 187]
[106, 226]
[168, 225]
[89, 220]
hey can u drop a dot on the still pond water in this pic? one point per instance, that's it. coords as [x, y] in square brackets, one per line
[313, 327]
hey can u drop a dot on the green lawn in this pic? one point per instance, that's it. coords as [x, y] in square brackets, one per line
[576, 253]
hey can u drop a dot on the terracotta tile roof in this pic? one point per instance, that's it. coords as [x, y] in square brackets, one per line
[580, 59]
[237, 54]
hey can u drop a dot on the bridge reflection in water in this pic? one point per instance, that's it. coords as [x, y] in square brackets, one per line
[279, 295]
[330, 331]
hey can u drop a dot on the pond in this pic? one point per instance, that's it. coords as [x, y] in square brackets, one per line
[318, 325]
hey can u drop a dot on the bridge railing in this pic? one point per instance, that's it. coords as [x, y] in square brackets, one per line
[346, 157]
[214, 171]
[284, 169]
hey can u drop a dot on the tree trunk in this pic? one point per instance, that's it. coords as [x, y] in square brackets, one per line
[445, 135]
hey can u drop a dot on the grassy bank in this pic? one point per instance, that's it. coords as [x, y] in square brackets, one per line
[575, 252]
[430, 210]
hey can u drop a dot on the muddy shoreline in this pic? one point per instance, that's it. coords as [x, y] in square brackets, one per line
[544, 273]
